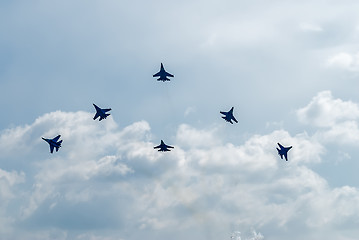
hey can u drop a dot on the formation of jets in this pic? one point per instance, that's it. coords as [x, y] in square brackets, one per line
[162, 75]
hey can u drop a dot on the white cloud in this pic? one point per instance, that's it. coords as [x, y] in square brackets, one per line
[344, 60]
[325, 111]
[115, 174]
[207, 183]
[344, 132]
[202, 183]
[253, 235]
[337, 119]
[310, 27]
[189, 137]
[10, 181]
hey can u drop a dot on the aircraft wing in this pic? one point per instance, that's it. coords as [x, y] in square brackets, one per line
[157, 146]
[56, 138]
[223, 113]
[51, 148]
[167, 146]
[157, 74]
[96, 116]
[169, 74]
[96, 107]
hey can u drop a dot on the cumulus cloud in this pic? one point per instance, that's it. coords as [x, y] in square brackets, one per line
[108, 177]
[10, 182]
[345, 61]
[336, 119]
[253, 235]
[107, 181]
[325, 111]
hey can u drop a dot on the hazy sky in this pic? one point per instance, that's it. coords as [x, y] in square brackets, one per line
[290, 69]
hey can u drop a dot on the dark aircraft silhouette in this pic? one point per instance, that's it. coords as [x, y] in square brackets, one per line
[229, 116]
[162, 74]
[283, 151]
[54, 143]
[101, 113]
[163, 147]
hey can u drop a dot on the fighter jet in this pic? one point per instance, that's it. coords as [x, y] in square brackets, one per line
[54, 143]
[229, 116]
[283, 151]
[101, 113]
[162, 74]
[163, 147]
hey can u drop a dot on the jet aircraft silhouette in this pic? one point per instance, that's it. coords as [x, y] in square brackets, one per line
[283, 151]
[163, 75]
[101, 113]
[54, 143]
[163, 147]
[228, 116]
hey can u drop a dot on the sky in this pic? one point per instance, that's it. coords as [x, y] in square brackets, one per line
[290, 69]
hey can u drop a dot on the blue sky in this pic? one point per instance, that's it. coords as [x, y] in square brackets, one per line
[290, 69]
